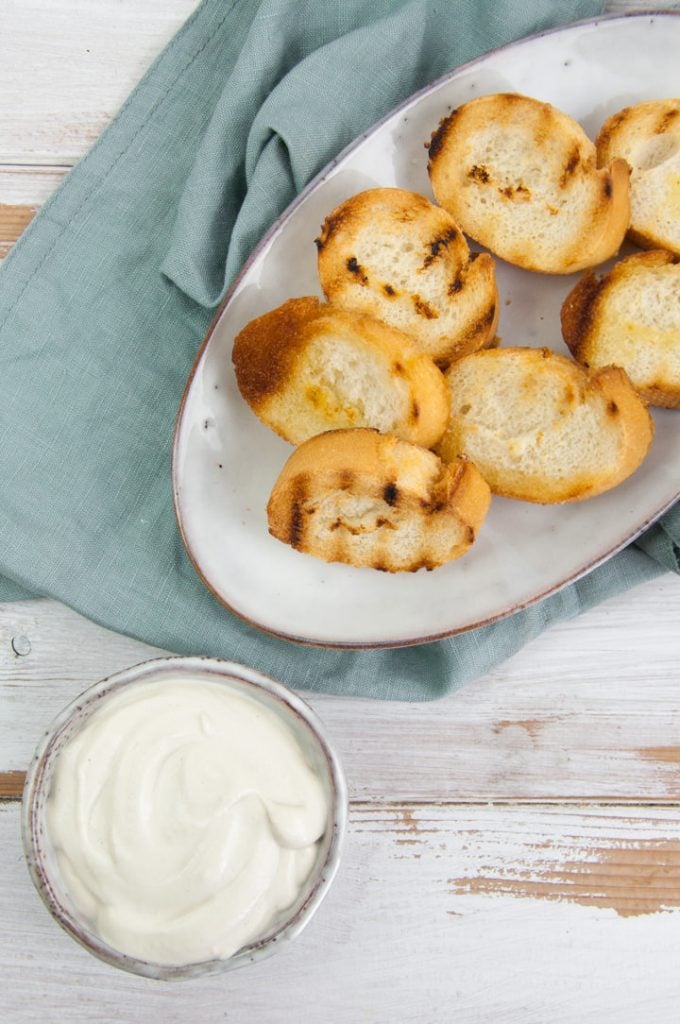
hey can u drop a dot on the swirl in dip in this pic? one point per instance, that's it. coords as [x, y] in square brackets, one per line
[185, 818]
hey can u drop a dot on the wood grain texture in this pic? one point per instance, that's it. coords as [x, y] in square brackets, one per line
[14, 218]
[575, 715]
[527, 915]
[84, 58]
[11, 785]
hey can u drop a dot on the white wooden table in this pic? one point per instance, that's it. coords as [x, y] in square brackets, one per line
[513, 851]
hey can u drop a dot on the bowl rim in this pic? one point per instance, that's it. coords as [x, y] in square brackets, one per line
[302, 717]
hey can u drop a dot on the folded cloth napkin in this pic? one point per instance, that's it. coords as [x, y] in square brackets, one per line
[104, 301]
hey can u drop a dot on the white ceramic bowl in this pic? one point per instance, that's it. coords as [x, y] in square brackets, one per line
[308, 730]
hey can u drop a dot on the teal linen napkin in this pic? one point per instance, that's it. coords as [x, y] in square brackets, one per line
[104, 301]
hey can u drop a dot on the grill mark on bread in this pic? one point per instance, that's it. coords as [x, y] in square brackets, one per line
[438, 137]
[666, 121]
[328, 228]
[346, 479]
[439, 243]
[390, 493]
[296, 524]
[479, 173]
[570, 166]
[422, 308]
[486, 319]
[456, 285]
[389, 290]
[355, 267]
[612, 126]
[515, 192]
[607, 186]
[578, 311]
[612, 408]
[415, 410]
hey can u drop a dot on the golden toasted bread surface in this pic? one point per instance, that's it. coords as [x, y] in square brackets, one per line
[630, 317]
[647, 136]
[541, 428]
[393, 254]
[307, 367]
[371, 500]
[520, 177]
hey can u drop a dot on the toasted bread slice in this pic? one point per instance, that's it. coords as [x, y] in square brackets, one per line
[630, 317]
[541, 428]
[647, 136]
[306, 367]
[368, 499]
[520, 177]
[394, 255]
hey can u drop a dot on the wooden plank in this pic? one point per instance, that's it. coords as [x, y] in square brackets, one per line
[13, 220]
[23, 190]
[520, 915]
[66, 67]
[575, 715]
[11, 785]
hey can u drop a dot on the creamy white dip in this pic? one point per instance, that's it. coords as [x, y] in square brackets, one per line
[184, 817]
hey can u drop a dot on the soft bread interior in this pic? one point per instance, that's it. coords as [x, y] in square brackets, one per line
[342, 381]
[630, 317]
[647, 137]
[306, 367]
[521, 178]
[538, 428]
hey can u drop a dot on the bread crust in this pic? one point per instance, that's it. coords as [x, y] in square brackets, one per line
[647, 136]
[370, 500]
[607, 319]
[282, 363]
[394, 255]
[520, 177]
[559, 433]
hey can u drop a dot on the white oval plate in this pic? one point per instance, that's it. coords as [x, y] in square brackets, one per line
[225, 461]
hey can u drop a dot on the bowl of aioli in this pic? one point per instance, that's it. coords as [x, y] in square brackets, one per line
[184, 817]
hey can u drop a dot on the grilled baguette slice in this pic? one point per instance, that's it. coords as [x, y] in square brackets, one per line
[520, 177]
[397, 256]
[306, 367]
[541, 428]
[647, 136]
[630, 317]
[368, 499]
